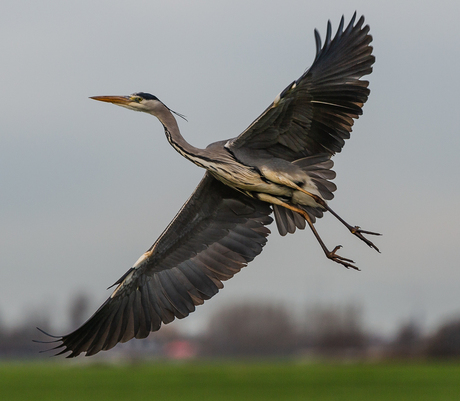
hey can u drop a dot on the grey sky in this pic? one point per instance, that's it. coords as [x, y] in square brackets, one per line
[87, 187]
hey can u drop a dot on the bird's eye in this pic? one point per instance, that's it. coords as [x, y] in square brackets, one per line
[136, 99]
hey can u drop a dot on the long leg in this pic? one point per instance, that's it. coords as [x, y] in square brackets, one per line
[329, 254]
[355, 230]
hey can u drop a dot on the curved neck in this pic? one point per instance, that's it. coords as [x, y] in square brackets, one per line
[175, 138]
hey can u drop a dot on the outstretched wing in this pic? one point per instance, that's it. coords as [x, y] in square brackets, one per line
[216, 233]
[315, 113]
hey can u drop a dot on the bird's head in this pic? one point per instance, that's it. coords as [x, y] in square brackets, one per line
[139, 101]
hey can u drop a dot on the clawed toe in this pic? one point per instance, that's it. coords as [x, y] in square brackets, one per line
[359, 233]
[348, 263]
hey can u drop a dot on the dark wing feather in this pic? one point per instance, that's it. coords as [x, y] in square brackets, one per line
[315, 113]
[216, 233]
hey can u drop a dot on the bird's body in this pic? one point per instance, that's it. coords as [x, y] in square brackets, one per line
[280, 163]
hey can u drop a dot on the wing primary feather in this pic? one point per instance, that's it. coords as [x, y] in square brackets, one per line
[101, 337]
[327, 41]
[79, 340]
[352, 22]
[318, 44]
[340, 28]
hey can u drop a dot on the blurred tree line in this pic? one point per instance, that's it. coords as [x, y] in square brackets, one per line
[256, 329]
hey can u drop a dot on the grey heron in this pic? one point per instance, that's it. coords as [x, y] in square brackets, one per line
[280, 164]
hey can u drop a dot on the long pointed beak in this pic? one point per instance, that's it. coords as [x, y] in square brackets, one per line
[120, 100]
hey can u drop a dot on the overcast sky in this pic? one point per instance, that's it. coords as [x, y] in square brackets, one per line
[87, 187]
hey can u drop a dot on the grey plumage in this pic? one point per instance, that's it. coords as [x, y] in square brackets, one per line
[280, 163]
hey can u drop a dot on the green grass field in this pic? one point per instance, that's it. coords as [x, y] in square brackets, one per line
[229, 381]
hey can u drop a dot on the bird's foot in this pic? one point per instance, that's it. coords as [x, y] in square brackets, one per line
[348, 263]
[356, 230]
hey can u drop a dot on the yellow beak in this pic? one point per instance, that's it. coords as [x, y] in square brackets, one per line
[120, 100]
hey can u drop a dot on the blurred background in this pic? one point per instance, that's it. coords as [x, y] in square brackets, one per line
[87, 187]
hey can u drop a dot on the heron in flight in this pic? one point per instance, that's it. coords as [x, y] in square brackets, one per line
[280, 164]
